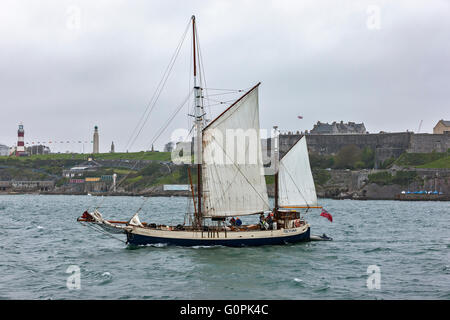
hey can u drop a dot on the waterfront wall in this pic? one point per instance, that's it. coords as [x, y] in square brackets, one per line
[385, 145]
[31, 186]
[423, 143]
[355, 184]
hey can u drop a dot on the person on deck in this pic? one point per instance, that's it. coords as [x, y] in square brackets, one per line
[269, 220]
[262, 222]
[238, 222]
[232, 222]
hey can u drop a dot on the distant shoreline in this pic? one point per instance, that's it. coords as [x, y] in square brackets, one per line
[169, 194]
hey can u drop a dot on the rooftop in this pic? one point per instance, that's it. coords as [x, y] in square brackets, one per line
[338, 128]
[444, 122]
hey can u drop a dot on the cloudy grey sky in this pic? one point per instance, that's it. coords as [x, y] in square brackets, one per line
[66, 66]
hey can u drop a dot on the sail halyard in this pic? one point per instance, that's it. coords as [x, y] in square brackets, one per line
[234, 182]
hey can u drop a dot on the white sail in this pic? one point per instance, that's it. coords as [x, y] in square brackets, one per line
[232, 169]
[296, 184]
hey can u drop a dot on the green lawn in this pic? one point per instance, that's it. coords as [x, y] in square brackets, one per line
[420, 159]
[442, 163]
[124, 171]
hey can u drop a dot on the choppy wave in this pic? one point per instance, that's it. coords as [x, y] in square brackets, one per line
[40, 240]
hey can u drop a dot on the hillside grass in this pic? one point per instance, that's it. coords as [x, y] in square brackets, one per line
[442, 163]
[402, 178]
[424, 160]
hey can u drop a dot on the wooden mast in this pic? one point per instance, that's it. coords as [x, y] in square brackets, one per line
[277, 159]
[192, 190]
[276, 206]
[198, 122]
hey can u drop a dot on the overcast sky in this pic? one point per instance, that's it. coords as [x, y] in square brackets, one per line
[66, 66]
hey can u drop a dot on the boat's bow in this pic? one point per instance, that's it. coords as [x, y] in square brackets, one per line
[95, 218]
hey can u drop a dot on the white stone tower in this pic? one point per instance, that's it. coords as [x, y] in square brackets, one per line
[95, 150]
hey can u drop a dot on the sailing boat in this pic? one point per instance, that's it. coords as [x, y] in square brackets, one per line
[229, 188]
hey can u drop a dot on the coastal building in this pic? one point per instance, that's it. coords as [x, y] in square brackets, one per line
[4, 150]
[80, 170]
[338, 128]
[96, 141]
[112, 147]
[21, 186]
[38, 149]
[442, 127]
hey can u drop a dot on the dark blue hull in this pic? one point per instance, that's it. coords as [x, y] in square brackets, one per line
[136, 239]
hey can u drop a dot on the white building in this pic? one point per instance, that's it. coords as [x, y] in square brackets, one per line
[4, 150]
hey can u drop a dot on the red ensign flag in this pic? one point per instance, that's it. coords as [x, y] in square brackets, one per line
[326, 215]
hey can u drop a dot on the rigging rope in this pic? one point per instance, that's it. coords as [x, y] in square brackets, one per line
[152, 103]
[236, 90]
[202, 71]
[98, 229]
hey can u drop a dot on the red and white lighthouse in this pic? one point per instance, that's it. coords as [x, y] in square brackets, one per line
[20, 150]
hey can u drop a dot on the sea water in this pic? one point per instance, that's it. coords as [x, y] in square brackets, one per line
[380, 250]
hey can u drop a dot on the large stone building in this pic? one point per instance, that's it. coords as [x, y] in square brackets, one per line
[442, 127]
[38, 149]
[338, 128]
[385, 145]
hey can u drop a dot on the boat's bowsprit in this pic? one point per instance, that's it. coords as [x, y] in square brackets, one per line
[96, 218]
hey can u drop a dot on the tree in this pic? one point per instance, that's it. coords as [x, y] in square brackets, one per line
[168, 146]
[347, 157]
[320, 161]
[151, 169]
[368, 157]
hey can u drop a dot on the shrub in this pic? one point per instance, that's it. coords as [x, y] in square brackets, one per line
[380, 178]
[321, 176]
[347, 157]
[151, 169]
[404, 177]
[320, 162]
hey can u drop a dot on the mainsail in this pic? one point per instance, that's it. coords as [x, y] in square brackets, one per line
[296, 184]
[232, 169]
